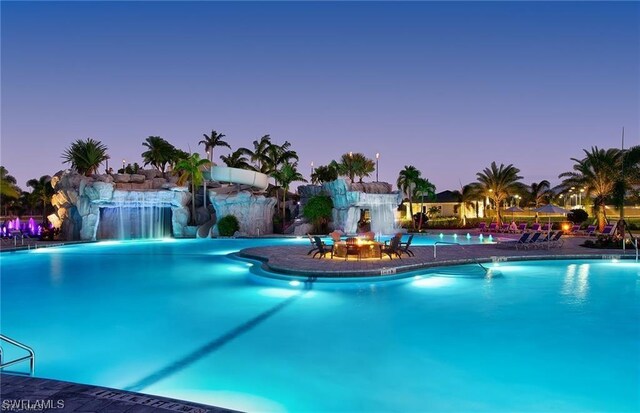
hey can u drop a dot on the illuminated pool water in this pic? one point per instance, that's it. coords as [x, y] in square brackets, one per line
[184, 320]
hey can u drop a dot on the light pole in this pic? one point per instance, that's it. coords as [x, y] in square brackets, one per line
[123, 161]
[581, 192]
[204, 183]
[311, 169]
[377, 164]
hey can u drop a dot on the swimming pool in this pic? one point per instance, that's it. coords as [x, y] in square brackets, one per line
[182, 319]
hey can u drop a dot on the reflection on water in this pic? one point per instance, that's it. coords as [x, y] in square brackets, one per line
[576, 281]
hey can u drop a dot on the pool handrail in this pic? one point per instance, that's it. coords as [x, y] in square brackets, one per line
[31, 356]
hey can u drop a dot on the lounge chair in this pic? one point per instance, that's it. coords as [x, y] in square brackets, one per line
[493, 227]
[535, 227]
[575, 230]
[608, 230]
[591, 230]
[314, 247]
[505, 227]
[546, 227]
[544, 241]
[404, 247]
[323, 249]
[522, 227]
[393, 248]
[532, 241]
[556, 242]
[482, 227]
[515, 243]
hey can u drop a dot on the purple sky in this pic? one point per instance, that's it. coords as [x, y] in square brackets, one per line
[447, 87]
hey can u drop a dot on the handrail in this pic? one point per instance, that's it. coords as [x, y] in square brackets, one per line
[635, 244]
[435, 256]
[31, 357]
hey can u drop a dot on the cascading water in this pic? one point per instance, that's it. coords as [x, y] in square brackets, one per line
[382, 209]
[138, 216]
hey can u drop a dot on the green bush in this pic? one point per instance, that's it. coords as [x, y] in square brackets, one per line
[228, 225]
[577, 216]
[318, 211]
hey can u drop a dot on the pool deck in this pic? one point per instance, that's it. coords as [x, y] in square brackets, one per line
[24, 393]
[293, 260]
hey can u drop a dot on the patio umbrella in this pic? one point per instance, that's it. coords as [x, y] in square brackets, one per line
[513, 209]
[551, 209]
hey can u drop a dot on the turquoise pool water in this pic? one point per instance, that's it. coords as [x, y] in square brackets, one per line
[182, 319]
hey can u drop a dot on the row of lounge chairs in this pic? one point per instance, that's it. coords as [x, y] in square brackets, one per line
[535, 240]
[522, 228]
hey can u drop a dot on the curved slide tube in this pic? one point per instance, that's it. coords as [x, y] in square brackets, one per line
[239, 176]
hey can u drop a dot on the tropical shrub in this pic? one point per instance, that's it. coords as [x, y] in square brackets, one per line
[578, 216]
[228, 225]
[318, 211]
[85, 156]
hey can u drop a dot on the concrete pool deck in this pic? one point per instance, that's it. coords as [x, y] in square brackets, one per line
[293, 260]
[25, 393]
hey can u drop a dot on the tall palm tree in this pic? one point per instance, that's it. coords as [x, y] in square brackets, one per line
[211, 141]
[190, 170]
[538, 193]
[277, 156]
[42, 191]
[85, 156]
[424, 188]
[598, 172]
[287, 174]
[236, 160]
[259, 153]
[499, 183]
[159, 153]
[406, 183]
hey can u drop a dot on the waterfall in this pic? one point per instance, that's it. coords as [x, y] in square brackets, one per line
[139, 215]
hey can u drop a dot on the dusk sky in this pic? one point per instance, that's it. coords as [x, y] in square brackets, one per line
[447, 87]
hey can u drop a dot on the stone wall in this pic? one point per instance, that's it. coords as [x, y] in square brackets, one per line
[78, 200]
[254, 212]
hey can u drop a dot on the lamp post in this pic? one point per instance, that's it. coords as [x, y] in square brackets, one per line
[311, 169]
[123, 161]
[204, 183]
[581, 192]
[377, 164]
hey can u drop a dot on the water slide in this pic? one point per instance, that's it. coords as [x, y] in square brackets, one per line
[239, 176]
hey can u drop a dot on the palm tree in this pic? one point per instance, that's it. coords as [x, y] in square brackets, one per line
[277, 156]
[598, 172]
[259, 153]
[85, 156]
[236, 160]
[354, 164]
[499, 183]
[286, 176]
[159, 153]
[211, 141]
[538, 193]
[424, 188]
[190, 170]
[42, 191]
[406, 183]
[8, 186]
[468, 197]
[324, 173]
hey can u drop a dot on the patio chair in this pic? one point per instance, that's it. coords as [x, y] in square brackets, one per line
[392, 248]
[323, 249]
[532, 241]
[535, 227]
[608, 230]
[591, 230]
[575, 230]
[544, 241]
[335, 236]
[505, 227]
[556, 242]
[482, 226]
[522, 227]
[404, 247]
[493, 227]
[314, 247]
[546, 227]
[515, 243]
[352, 248]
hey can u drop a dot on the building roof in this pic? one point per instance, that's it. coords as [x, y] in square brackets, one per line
[441, 198]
